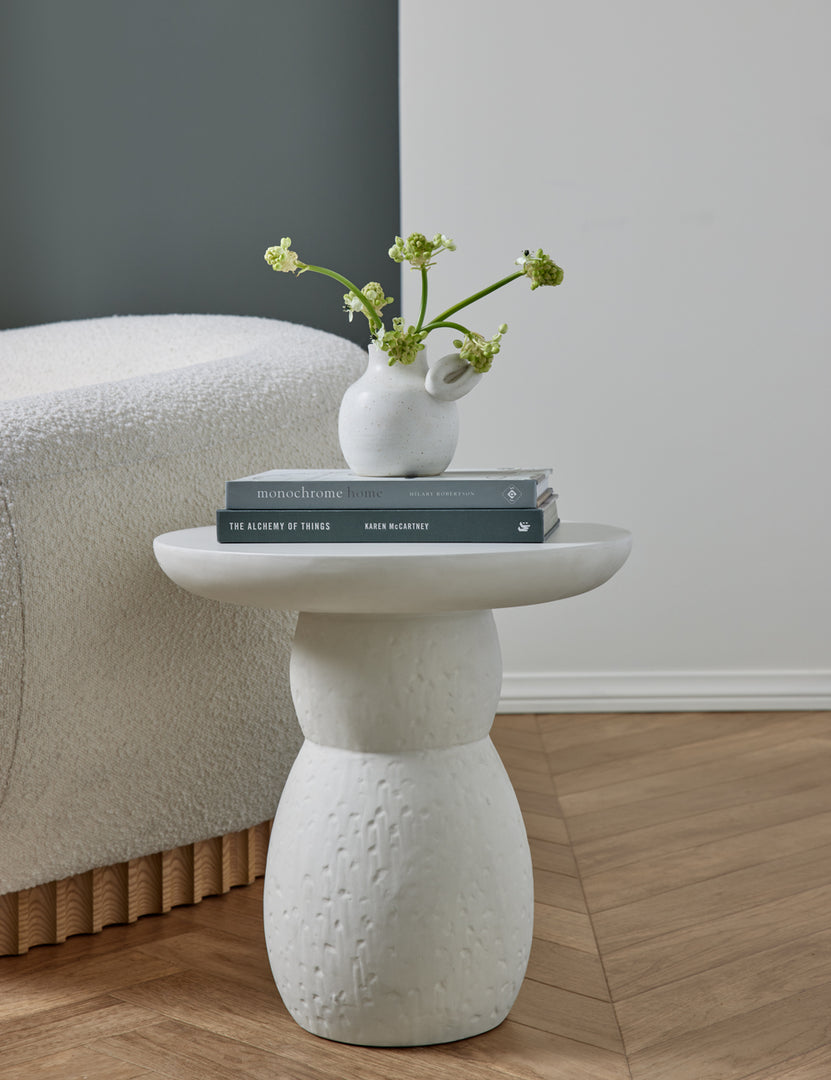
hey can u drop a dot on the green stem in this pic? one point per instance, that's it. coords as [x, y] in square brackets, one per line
[374, 317]
[445, 325]
[475, 297]
[423, 311]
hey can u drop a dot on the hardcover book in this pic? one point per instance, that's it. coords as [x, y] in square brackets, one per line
[502, 526]
[306, 489]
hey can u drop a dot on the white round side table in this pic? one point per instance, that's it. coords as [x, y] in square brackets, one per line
[398, 894]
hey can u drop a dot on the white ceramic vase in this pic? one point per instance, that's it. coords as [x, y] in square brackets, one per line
[401, 419]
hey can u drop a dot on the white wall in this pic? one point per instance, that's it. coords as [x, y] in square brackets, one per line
[674, 159]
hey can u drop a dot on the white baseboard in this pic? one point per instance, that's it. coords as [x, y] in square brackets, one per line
[664, 691]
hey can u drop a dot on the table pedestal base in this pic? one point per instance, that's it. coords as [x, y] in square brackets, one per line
[398, 892]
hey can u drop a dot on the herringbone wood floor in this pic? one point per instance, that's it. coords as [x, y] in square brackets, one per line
[683, 931]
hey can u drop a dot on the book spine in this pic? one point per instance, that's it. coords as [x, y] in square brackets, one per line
[380, 526]
[364, 494]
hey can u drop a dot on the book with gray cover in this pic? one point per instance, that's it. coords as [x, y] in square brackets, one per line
[305, 489]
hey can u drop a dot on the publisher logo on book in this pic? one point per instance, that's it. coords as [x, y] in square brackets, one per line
[511, 494]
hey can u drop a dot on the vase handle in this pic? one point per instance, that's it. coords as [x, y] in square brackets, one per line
[451, 378]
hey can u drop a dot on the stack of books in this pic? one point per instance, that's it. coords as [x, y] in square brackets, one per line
[336, 506]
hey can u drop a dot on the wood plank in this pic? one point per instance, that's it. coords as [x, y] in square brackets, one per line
[230, 956]
[725, 991]
[23, 994]
[561, 731]
[569, 969]
[733, 1048]
[574, 1016]
[712, 793]
[703, 945]
[508, 722]
[518, 761]
[570, 928]
[533, 780]
[77, 1062]
[692, 768]
[505, 738]
[243, 915]
[181, 1052]
[644, 738]
[815, 1065]
[558, 890]
[652, 875]
[49, 1032]
[535, 802]
[667, 837]
[230, 1007]
[515, 1050]
[545, 827]
[617, 928]
[558, 858]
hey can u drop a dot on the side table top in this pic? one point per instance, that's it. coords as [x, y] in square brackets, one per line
[393, 578]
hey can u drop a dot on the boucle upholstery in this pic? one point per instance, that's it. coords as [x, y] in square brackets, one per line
[136, 717]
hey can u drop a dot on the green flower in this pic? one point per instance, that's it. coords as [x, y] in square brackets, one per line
[374, 293]
[403, 343]
[402, 346]
[540, 269]
[478, 351]
[418, 251]
[280, 258]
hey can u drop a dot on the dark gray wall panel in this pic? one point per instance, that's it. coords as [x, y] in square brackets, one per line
[152, 149]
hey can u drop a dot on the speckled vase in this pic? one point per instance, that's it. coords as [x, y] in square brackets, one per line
[401, 419]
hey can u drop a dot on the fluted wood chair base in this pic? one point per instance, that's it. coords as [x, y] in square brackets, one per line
[153, 884]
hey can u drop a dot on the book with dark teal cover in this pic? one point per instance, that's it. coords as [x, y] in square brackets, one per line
[501, 526]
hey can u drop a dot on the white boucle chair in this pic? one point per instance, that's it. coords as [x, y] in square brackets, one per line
[145, 734]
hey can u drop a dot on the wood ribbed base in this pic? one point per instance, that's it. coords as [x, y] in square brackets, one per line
[150, 885]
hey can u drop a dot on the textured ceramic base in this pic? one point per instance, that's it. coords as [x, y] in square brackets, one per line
[398, 904]
[398, 894]
[399, 899]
